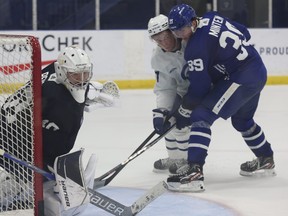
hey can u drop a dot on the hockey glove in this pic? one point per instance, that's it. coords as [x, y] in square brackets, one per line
[159, 120]
[182, 117]
[100, 96]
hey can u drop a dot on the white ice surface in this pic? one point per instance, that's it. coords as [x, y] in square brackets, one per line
[114, 133]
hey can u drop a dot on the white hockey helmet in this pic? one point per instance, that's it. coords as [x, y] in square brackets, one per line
[157, 24]
[74, 70]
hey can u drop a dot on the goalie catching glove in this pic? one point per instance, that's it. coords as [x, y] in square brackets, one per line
[102, 95]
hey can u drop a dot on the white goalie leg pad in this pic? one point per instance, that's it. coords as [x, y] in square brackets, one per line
[68, 195]
[193, 186]
[89, 173]
[70, 179]
[53, 205]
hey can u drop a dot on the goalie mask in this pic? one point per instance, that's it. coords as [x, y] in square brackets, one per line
[74, 70]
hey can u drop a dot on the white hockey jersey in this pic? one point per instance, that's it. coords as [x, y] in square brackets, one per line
[170, 70]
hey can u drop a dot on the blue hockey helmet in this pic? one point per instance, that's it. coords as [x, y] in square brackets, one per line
[180, 16]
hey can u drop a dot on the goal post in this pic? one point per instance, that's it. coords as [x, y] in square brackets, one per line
[20, 124]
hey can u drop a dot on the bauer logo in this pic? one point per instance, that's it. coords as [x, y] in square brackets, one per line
[106, 205]
[65, 193]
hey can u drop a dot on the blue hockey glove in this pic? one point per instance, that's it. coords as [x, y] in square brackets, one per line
[159, 120]
[182, 117]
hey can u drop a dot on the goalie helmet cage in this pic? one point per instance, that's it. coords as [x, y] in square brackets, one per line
[20, 63]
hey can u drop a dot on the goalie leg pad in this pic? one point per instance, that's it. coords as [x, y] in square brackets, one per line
[89, 173]
[53, 205]
[68, 194]
[69, 178]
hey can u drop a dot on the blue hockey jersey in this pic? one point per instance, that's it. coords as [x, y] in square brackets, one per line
[217, 50]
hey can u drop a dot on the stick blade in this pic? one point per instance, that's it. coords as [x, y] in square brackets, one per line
[98, 184]
[148, 197]
[108, 204]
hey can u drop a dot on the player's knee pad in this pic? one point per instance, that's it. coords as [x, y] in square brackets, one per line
[242, 125]
[203, 114]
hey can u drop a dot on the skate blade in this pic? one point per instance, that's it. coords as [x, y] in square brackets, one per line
[193, 186]
[160, 171]
[259, 173]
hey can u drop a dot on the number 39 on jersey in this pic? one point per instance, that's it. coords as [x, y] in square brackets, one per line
[196, 65]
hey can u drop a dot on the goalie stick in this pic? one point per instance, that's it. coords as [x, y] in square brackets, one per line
[26, 164]
[100, 200]
[108, 176]
[119, 209]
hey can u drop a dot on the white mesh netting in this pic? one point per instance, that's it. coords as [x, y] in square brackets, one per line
[16, 125]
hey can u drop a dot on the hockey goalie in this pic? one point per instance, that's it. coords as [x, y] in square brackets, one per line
[67, 91]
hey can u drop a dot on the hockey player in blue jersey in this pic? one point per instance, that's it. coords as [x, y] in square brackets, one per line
[226, 77]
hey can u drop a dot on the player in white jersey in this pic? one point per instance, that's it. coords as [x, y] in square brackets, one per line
[171, 84]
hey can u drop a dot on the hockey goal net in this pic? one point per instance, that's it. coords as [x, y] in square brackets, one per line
[21, 190]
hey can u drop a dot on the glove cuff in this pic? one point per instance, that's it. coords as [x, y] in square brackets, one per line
[184, 112]
[160, 111]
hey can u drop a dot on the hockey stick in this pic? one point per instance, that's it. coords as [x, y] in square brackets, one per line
[101, 181]
[117, 169]
[119, 209]
[26, 164]
[100, 200]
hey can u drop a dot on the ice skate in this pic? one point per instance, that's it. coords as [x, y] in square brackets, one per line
[164, 165]
[261, 166]
[173, 169]
[189, 179]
